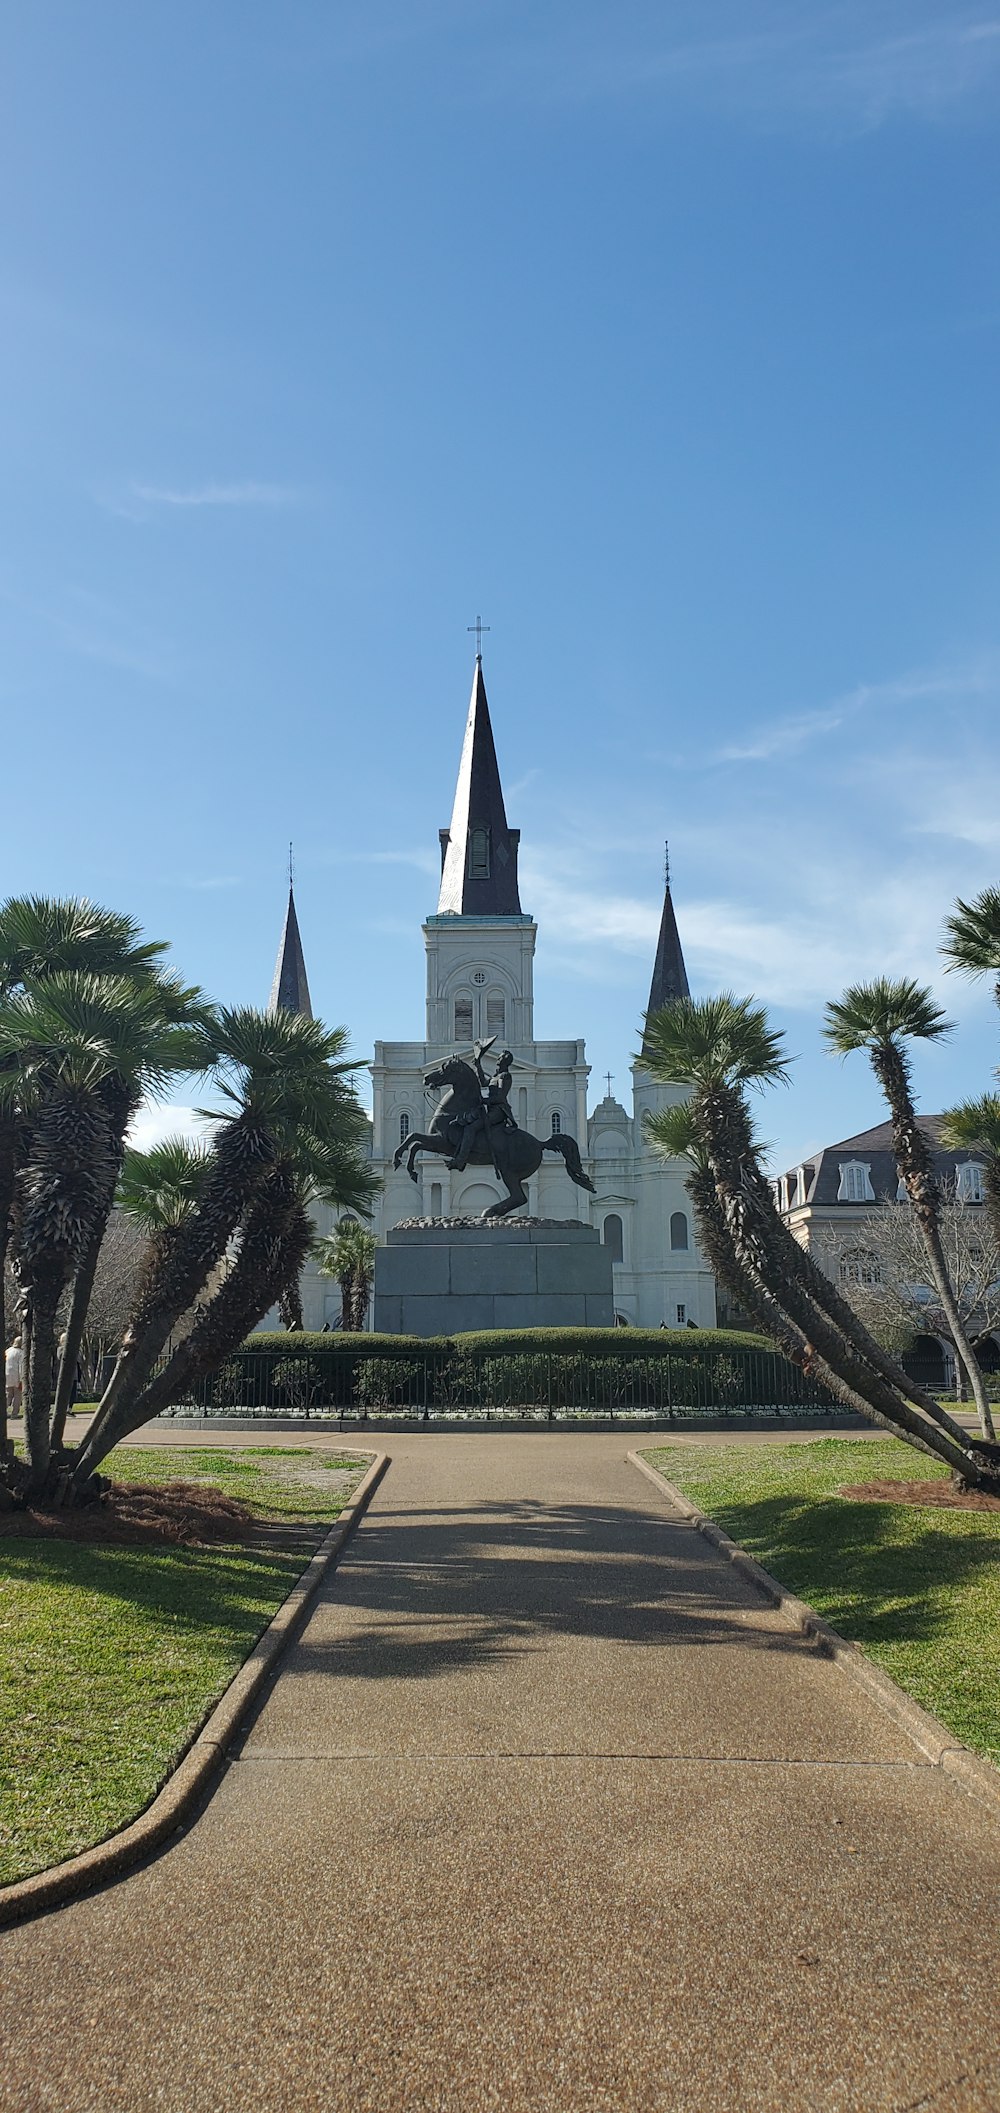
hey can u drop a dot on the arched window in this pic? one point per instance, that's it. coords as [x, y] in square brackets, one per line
[859, 1266]
[463, 1019]
[613, 1237]
[556, 1123]
[479, 854]
[855, 1182]
[970, 1182]
[678, 1230]
[496, 1014]
[404, 1128]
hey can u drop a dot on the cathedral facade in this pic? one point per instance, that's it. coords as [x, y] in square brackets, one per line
[480, 948]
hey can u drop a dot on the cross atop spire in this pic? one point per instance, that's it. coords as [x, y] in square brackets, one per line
[290, 989]
[479, 851]
[478, 627]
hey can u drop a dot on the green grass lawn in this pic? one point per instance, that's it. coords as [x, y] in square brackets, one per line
[919, 1590]
[110, 1656]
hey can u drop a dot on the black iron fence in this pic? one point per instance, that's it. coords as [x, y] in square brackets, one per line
[463, 1385]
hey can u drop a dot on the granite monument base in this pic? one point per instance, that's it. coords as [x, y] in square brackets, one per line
[447, 1276]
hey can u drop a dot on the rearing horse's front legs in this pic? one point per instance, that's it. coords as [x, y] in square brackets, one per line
[422, 1141]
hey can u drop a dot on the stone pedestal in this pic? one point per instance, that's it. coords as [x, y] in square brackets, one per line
[446, 1276]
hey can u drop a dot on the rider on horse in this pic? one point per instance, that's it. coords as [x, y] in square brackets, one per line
[494, 1108]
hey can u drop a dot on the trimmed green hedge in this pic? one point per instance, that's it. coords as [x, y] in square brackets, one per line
[594, 1371]
[504, 1342]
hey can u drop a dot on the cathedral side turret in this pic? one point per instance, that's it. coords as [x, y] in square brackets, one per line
[480, 947]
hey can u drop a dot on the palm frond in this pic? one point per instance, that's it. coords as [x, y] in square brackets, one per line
[973, 1126]
[886, 1011]
[162, 1187]
[720, 1040]
[972, 941]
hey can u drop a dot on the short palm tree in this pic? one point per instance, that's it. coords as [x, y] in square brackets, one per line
[43, 938]
[77, 1050]
[974, 1126]
[881, 1017]
[972, 941]
[719, 1047]
[349, 1255]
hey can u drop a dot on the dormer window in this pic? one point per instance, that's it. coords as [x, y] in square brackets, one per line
[479, 854]
[969, 1182]
[855, 1182]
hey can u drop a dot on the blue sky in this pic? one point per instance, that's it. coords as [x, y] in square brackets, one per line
[663, 335]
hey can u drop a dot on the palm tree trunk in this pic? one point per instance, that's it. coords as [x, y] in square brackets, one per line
[914, 1162]
[729, 1140]
[751, 1247]
[244, 1157]
[930, 1228]
[83, 1285]
[38, 1373]
[769, 1310]
[278, 1235]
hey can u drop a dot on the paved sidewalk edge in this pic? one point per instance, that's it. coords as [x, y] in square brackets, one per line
[206, 1752]
[976, 1776]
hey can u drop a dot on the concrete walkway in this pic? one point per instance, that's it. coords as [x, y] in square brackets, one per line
[546, 1810]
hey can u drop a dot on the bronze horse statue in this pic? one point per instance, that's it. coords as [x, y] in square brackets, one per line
[495, 1141]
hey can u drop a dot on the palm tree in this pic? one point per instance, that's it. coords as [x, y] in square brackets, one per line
[349, 1255]
[720, 1046]
[974, 1126]
[973, 937]
[882, 1017]
[77, 1051]
[292, 1129]
[42, 937]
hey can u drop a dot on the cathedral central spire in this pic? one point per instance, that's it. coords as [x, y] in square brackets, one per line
[479, 851]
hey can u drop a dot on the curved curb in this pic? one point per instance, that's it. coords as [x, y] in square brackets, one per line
[204, 1756]
[976, 1776]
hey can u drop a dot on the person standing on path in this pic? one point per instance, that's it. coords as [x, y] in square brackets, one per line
[13, 1377]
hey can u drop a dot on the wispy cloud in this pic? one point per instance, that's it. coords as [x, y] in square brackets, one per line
[136, 502]
[423, 861]
[865, 63]
[785, 736]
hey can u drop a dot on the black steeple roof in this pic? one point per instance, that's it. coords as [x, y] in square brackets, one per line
[290, 989]
[669, 973]
[479, 851]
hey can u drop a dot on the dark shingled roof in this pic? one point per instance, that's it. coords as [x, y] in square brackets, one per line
[874, 1148]
[481, 886]
[669, 973]
[290, 989]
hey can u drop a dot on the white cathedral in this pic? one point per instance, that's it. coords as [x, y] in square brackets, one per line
[480, 948]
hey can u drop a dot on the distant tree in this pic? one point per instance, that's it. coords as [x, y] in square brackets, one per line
[881, 1017]
[349, 1255]
[885, 1275]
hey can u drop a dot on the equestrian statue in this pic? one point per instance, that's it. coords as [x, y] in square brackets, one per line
[473, 1124]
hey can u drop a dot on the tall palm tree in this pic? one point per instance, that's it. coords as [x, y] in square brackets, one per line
[719, 1047]
[291, 1128]
[972, 943]
[974, 1126]
[882, 1017]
